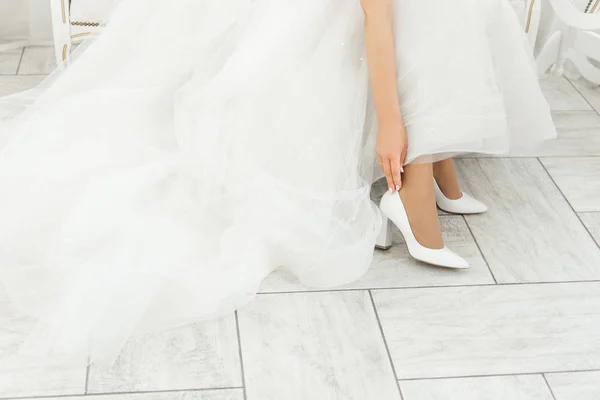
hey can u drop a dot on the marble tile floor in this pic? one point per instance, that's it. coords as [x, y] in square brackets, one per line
[522, 324]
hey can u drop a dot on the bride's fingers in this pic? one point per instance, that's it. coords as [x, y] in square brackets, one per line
[402, 160]
[396, 167]
[387, 170]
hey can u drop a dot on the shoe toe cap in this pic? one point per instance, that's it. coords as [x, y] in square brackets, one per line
[455, 261]
[473, 205]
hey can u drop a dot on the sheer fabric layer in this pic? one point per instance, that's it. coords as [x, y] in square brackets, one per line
[197, 145]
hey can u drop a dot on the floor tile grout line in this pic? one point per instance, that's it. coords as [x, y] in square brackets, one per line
[90, 395]
[569, 203]
[434, 378]
[548, 385]
[20, 61]
[509, 157]
[87, 374]
[20, 75]
[584, 97]
[387, 348]
[499, 284]
[580, 94]
[239, 340]
[26, 75]
[480, 251]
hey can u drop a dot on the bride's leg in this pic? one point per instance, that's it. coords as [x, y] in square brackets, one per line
[418, 197]
[445, 176]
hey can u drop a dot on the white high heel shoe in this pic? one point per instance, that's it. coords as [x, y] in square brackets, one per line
[465, 205]
[393, 210]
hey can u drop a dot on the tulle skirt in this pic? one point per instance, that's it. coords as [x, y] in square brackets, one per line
[197, 145]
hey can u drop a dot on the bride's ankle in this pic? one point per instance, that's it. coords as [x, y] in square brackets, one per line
[423, 219]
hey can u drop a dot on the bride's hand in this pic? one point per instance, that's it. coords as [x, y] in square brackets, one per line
[392, 144]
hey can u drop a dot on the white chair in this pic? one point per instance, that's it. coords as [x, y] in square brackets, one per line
[74, 20]
[531, 23]
[574, 36]
[529, 13]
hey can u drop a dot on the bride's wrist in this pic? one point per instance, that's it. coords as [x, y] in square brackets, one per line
[389, 118]
[391, 123]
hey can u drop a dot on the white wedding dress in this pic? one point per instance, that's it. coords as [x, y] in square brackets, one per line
[197, 145]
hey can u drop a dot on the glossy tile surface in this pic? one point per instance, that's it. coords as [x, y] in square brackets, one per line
[314, 346]
[562, 95]
[9, 61]
[592, 223]
[491, 330]
[578, 179]
[200, 356]
[21, 375]
[38, 60]
[226, 394]
[530, 233]
[590, 91]
[520, 387]
[575, 385]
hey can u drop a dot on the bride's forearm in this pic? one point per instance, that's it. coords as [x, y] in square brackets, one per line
[381, 56]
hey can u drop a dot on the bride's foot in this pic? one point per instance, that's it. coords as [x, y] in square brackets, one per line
[394, 212]
[421, 231]
[448, 195]
[463, 205]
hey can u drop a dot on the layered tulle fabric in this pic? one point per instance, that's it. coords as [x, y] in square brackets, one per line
[197, 145]
[466, 79]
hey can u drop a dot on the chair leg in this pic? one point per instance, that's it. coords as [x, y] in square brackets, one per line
[549, 53]
[61, 29]
[533, 15]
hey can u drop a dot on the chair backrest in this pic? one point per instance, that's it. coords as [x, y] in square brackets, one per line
[592, 6]
[88, 16]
